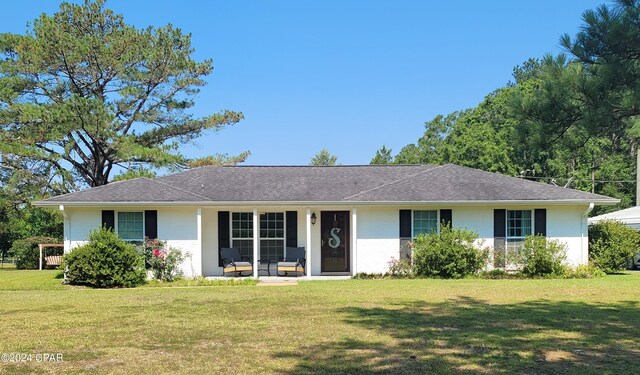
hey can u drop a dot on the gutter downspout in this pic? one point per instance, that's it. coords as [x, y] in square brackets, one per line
[585, 225]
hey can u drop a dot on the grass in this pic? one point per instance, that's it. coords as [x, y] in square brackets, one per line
[200, 282]
[588, 326]
[12, 279]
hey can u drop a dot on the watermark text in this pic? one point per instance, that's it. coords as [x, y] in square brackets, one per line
[31, 357]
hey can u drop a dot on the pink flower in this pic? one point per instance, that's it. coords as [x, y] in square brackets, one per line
[156, 252]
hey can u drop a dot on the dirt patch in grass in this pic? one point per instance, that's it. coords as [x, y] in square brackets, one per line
[558, 356]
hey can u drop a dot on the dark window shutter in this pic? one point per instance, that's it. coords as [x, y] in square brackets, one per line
[405, 234]
[405, 223]
[499, 223]
[151, 224]
[223, 233]
[446, 218]
[109, 219]
[499, 238]
[540, 224]
[292, 228]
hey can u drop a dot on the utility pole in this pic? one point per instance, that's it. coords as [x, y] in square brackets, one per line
[593, 175]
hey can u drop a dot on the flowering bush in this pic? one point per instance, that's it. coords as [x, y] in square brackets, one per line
[400, 268]
[162, 261]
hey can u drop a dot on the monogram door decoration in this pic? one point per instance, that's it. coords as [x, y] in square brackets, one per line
[335, 241]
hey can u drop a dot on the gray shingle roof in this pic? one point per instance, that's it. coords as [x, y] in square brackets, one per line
[385, 183]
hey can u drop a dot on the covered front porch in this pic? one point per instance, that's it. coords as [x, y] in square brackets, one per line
[263, 234]
[287, 279]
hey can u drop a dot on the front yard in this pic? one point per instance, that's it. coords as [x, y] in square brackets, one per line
[354, 326]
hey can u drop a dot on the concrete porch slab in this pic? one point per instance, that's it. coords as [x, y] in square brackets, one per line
[282, 279]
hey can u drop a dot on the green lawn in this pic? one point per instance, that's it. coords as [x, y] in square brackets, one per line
[326, 327]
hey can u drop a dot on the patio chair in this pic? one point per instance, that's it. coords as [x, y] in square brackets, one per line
[233, 262]
[294, 262]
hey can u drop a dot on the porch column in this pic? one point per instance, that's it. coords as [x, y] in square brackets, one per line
[40, 248]
[354, 241]
[66, 230]
[256, 230]
[198, 255]
[308, 264]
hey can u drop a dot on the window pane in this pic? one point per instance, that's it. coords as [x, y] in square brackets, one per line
[130, 226]
[272, 225]
[242, 225]
[518, 223]
[518, 227]
[245, 246]
[514, 245]
[271, 250]
[425, 222]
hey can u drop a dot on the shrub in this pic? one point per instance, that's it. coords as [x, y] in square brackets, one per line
[541, 257]
[499, 274]
[611, 245]
[401, 268]
[449, 254]
[369, 276]
[106, 261]
[147, 248]
[584, 271]
[165, 264]
[494, 274]
[27, 253]
[162, 261]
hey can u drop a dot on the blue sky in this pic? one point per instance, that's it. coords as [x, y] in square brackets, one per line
[344, 75]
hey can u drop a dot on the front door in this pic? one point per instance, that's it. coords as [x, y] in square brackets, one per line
[334, 234]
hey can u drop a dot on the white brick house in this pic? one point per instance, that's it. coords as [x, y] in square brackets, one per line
[350, 219]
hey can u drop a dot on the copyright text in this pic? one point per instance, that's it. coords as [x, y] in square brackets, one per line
[31, 357]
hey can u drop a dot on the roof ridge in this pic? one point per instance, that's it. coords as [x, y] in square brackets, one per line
[319, 166]
[182, 190]
[432, 167]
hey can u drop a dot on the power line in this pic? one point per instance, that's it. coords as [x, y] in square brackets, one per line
[566, 178]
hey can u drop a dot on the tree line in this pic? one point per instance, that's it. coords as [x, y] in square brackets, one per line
[86, 98]
[569, 119]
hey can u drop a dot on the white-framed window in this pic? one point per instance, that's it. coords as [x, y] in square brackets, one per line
[242, 233]
[424, 222]
[272, 235]
[130, 226]
[519, 225]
